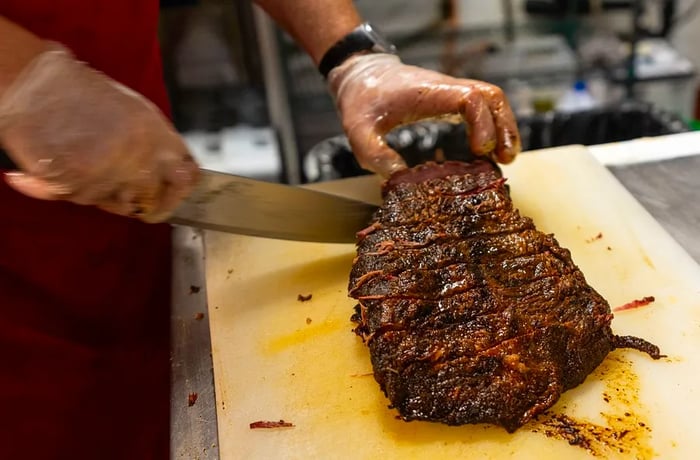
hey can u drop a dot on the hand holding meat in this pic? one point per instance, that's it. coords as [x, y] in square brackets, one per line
[376, 92]
[80, 136]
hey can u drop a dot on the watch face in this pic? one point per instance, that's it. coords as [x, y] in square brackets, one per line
[380, 43]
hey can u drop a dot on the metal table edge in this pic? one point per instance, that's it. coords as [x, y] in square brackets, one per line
[193, 423]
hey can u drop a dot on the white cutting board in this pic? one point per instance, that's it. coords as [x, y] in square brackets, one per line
[278, 358]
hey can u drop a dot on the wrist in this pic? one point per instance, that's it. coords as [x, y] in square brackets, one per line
[357, 67]
[363, 39]
[18, 48]
[45, 66]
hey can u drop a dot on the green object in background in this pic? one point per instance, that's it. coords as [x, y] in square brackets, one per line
[694, 125]
[543, 104]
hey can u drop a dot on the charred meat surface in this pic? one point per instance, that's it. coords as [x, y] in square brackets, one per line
[471, 314]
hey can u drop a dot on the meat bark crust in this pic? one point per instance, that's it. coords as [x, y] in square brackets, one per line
[471, 314]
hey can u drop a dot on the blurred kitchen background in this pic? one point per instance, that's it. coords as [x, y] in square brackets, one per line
[250, 102]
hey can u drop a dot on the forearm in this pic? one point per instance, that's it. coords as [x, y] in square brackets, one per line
[17, 49]
[315, 24]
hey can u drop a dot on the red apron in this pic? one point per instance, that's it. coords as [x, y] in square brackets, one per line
[85, 295]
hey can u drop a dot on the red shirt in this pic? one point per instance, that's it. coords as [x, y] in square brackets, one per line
[85, 295]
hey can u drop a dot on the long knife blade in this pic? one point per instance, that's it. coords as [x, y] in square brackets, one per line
[235, 204]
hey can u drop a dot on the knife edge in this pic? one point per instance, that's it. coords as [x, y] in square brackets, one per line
[241, 205]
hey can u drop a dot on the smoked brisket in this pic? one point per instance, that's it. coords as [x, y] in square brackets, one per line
[471, 314]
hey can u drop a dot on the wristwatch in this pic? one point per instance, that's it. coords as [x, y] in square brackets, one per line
[363, 38]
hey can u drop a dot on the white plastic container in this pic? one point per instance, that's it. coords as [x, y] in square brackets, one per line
[576, 99]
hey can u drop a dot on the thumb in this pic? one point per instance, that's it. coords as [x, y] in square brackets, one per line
[372, 151]
[36, 188]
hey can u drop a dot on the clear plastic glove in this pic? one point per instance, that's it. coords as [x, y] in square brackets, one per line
[79, 136]
[375, 93]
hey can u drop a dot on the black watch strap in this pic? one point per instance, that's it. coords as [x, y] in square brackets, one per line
[363, 38]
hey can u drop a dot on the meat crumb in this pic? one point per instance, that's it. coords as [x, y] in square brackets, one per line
[191, 399]
[304, 298]
[194, 289]
[636, 304]
[597, 237]
[199, 316]
[270, 424]
[308, 320]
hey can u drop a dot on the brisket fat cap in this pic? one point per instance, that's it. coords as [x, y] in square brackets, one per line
[471, 314]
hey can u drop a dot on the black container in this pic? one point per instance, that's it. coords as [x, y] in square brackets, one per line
[629, 120]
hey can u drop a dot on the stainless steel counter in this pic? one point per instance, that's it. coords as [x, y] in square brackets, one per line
[193, 433]
[668, 189]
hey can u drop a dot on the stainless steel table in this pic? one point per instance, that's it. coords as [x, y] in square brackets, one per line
[193, 433]
[667, 186]
[670, 191]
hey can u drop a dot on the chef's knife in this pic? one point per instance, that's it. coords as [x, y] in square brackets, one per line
[235, 204]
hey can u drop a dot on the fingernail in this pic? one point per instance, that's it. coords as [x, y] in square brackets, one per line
[387, 168]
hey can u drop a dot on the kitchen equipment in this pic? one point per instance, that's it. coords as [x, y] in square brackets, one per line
[237, 204]
[278, 357]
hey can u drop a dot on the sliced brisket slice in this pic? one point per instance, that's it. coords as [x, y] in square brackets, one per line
[470, 313]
